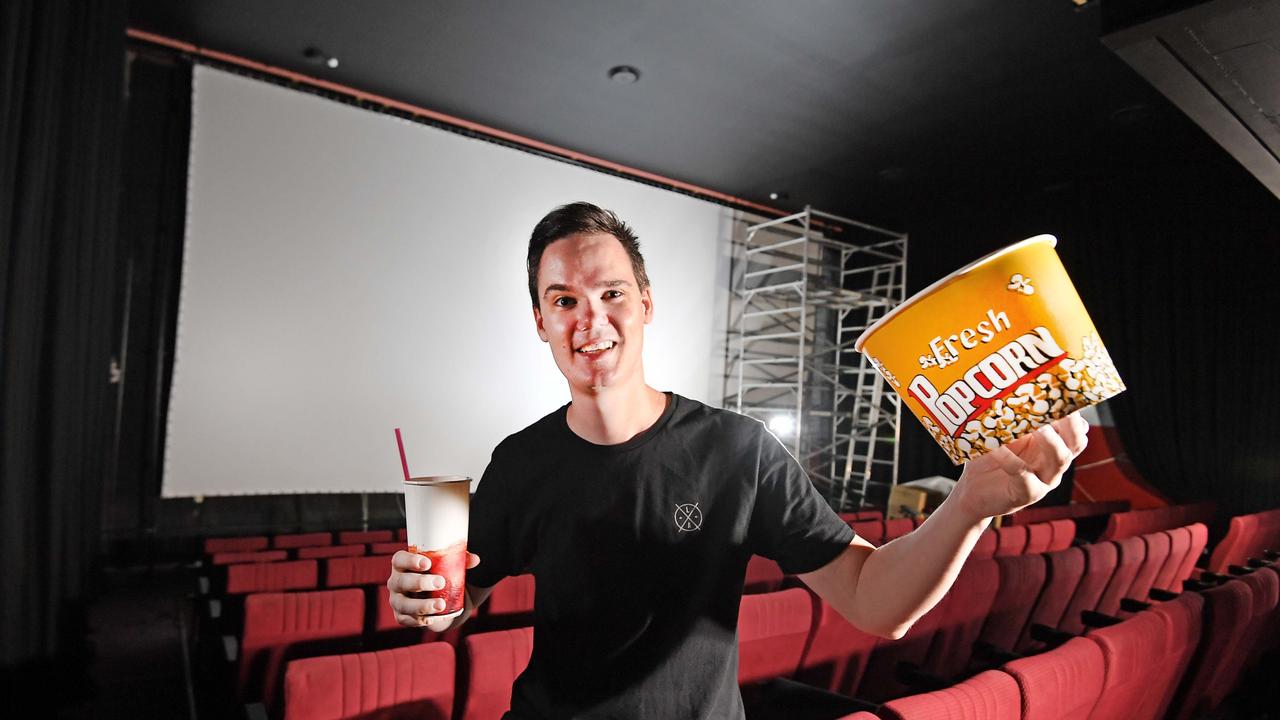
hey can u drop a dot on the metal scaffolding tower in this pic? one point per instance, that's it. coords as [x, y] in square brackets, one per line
[806, 286]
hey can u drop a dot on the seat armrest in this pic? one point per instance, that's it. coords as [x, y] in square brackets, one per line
[914, 677]
[1162, 595]
[1048, 635]
[1095, 619]
[1238, 570]
[1130, 605]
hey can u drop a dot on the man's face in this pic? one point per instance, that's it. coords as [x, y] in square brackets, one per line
[591, 311]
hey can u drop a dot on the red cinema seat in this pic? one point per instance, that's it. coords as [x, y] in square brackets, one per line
[271, 577]
[1156, 555]
[1179, 546]
[1011, 540]
[897, 527]
[364, 537]
[386, 548]
[275, 624]
[1061, 684]
[763, 575]
[493, 661]
[1064, 533]
[838, 653]
[290, 542]
[870, 530]
[991, 695]
[235, 544]
[1099, 564]
[1227, 609]
[773, 629]
[1064, 570]
[235, 558]
[1232, 549]
[409, 683]
[1266, 592]
[402, 534]
[1039, 538]
[510, 603]
[861, 715]
[1132, 552]
[329, 551]
[880, 680]
[1130, 651]
[963, 611]
[1183, 623]
[986, 545]
[1022, 579]
[348, 571]
[868, 515]
[1268, 637]
[1199, 539]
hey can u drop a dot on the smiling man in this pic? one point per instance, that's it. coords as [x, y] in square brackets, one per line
[637, 511]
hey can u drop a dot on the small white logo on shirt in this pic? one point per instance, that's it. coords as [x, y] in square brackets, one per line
[688, 517]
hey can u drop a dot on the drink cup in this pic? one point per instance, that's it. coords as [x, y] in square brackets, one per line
[993, 351]
[436, 514]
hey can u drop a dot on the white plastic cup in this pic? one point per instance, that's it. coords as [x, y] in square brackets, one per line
[437, 509]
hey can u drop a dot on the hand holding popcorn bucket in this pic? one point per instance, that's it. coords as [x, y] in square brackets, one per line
[993, 351]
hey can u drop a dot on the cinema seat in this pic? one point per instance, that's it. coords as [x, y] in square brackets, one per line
[838, 653]
[897, 527]
[963, 610]
[1155, 556]
[1039, 538]
[277, 625]
[409, 683]
[991, 695]
[870, 530]
[364, 537]
[329, 551]
[1064, 569]
[1179, 545]
[1011, 540]
[1199, 540]
[300, 540]
[1227, 609]
[349, 571]
[1064, 534]
[1061, 684]
[1022, 579]
[1099, 565]
[235, 544]
[492, 662]
[235, 558]
[881, 680]
[986, 545]
[1131, 650]
[386, 548]
[773, 629]
[271, 577]
[1131, 554]
[763, 575]
[1183, 621]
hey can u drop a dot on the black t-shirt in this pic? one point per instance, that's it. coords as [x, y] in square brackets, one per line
[640, 551]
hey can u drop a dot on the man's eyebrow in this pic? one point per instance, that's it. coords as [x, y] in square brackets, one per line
[557, 287]
[554, 287]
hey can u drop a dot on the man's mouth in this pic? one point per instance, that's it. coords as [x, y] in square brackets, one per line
[596, 347]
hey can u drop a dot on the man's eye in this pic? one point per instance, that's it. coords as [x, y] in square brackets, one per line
[564, 302]
[612, 294]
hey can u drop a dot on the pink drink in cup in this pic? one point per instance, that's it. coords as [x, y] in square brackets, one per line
[436, 511]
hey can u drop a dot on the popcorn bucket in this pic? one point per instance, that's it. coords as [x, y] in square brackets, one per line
[994, 350]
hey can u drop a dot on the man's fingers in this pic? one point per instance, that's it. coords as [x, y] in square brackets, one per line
[1056, 455]
[1074, 431]
[405, 561]
[472, 560]
[414, 612]
[417, 582]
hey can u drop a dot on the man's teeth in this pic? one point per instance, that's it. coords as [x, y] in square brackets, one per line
[595, 347]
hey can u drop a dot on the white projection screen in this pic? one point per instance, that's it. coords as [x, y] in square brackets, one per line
[346, 272]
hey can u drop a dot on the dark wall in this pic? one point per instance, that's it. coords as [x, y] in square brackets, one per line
[1174, 249]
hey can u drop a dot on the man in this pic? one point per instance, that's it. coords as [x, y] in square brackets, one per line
[637, 510]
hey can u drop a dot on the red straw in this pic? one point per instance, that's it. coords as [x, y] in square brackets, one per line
[404, 462]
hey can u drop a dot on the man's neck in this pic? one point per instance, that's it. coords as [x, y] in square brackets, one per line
[615, 415]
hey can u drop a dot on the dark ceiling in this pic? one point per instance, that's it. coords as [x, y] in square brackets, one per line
[854, 107]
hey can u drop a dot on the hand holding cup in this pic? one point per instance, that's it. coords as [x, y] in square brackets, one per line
[411, 584]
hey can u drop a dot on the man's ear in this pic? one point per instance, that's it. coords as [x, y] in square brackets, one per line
[646, 301]
[537, 320]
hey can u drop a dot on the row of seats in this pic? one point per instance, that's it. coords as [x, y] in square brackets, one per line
[1249, 536]
[1140, 522]
[291, 541]
[1074, 511]
[315, 552]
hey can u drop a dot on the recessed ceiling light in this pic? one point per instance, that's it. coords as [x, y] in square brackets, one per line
[317, 56]
[775, 195]
[624, 74]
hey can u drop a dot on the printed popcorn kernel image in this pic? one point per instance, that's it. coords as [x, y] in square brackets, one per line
[991, 354]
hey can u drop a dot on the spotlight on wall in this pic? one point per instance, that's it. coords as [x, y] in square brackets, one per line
[318, 57]
[782, 425]
[778, 195]
[624, 74]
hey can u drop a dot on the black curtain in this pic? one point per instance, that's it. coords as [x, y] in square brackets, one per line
[1174, 249]
[61, 94]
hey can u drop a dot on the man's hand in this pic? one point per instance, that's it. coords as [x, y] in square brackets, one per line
[1016, 475]
[409, 575]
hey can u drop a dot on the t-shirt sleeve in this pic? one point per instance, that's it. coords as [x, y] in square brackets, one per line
[790, 522]
[489, 531]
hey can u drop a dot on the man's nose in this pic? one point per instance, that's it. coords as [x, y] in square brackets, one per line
[593, 315]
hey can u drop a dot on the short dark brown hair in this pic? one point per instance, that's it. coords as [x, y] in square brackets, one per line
[581, 217]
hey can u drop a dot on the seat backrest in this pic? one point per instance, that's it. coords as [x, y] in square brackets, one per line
[990, 695]
[1199, 539]
[1179, 546]
[1228, 551]
[235, 557]
[1132, 552]
[837, 654]
[763, 575]
[358, 537]
[880, 680]
[773, 629]
[386, 548]
[870, 530]
[408, 683]
[1022, 579]
[512, 596]
[1039, 537]
[330, 551]
[1099, 564]
[235, 544]
[1011, 540]
[276, 624]
[1155, 556]
[897, 527]
[270, 577]
[299, 540]
[492, 663]
[1061, 684]
[1227, 608]
[348, 571]
[1064, 533]
[965, 608]
[1183, 622]
[1063, 571]
[1130, 650]
[1266, 592]
[986, 545]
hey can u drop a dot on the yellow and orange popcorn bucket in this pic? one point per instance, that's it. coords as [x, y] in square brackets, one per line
[994, 350]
